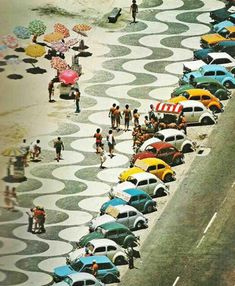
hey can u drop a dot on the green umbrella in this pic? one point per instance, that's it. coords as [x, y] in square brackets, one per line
[36, 28]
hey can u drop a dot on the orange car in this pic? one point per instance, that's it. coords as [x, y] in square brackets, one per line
[208, 99]
[210, 40]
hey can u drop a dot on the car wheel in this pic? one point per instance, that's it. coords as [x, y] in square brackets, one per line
[119, 260]
[139, 225]
[160, 192]
[168, 178]
[177, 161]
[206, 121]
[109, 279]
[228, 84]
[149, 209]
[214, 109]
[187, 148]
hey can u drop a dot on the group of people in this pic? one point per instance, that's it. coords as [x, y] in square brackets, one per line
[33, 150]
[10, 198]
[36, 220]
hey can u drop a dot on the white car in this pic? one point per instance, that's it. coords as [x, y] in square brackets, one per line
[144, 181]
[101, 246]
[174, 136]
[195, 112]
[78, 279]
[124, 214]
[221, 58]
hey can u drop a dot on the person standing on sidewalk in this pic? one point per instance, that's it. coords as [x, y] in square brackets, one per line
[24, 148]
[134, 10]
[136, 117]
[130, 256]
[111, 143]
[98, 139]
[77, 96]
[111, 115]
[127, 117]
[118, 116]
[51, 90]
[58, 145]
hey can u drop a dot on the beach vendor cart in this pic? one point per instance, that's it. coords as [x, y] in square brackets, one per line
[68, 79]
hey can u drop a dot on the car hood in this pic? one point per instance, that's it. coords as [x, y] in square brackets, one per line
[212, 38]
[193, 65]
[63, 271]
[202, 53]
[195, 74]
[125, 174]
[77, 253]
[88, 237]
[113, 202]
[177, 99]
[101, 220]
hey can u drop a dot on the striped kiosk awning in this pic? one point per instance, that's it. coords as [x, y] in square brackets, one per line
[169, 108]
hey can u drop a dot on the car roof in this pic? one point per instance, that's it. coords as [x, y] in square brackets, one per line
[123, 208]
[113, 225]
[161, 145]
[191, 103]
[153, 161]
[220, 55]
[170, 131]
[134, 192]
[213, 67]
[202, 79]
[97, 258]
[226, 43]
[143, 175]
[102, 241]
[81, 276]
[198, 91]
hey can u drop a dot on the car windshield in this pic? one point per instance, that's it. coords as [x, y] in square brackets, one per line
[77, 265]
[209, 59]
[68, 281]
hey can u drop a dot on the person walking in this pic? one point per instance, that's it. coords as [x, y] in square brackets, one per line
[136, 117]
[127, 117]
[58, 145]
[77, 96]
[151, 113]
[98, 139]
[7, 199]
[118, 116]
[111, 143]
[35, 150]
[134, 10]
[13, 199]
[103, 156]
[111, 115]
[130, 257]
[94, 268]
[182, 123]
[30, 214]
[51, 90]
[24, 148]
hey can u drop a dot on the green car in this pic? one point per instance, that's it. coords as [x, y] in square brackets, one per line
[207, 83]
[111, 230]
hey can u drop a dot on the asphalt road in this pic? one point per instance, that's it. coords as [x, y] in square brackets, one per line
[193, 242]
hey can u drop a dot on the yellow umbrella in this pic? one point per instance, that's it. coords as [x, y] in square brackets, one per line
[53, 37]
[12, 152]
[35, 50]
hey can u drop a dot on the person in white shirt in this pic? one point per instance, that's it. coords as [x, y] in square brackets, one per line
[35, 149]
[111, 143]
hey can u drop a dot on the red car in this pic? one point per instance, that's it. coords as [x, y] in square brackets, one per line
[161, 150]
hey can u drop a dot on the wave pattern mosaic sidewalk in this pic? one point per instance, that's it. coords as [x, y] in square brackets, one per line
[140, 65]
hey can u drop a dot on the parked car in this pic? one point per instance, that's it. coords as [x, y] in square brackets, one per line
[196, 113]
[209, 40]
[213, 71]
[111, 230]
[214, 58]
[162, 150]
[124, 214]
[152, 165]
[101, 246]
[202, 95]
[222, 14]
[147, 182]
[132, 197]
[107, 271]
[230, 21]
[176, 137]
[79, 279]
[210, 84]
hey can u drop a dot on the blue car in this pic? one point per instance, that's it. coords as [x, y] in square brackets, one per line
[227, 23]
[133, 197]
[212, 71]
[107, 271]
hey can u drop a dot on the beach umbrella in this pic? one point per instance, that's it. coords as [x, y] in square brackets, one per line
[60, 28]
[22, 32]
[35, 50]
[37, 28]
[58, 64]
[53, 37]
[60, 47]
[68, 77]
[12, 152]
[10, 41]
[81, 28]
[71, 42]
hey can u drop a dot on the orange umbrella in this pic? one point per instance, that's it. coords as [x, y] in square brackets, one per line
[81, 28]
[53, 37]
[60, 28]
[58, 64]
[35, 50]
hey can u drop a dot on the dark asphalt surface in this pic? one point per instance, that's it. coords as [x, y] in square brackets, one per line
[170, 250]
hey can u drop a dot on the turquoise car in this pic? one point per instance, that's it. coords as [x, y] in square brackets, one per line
[220, 27]
[212, 71]
[133, 197]
[107, 271]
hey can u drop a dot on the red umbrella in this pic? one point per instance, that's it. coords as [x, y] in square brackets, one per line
[60, 28]
[68, 77]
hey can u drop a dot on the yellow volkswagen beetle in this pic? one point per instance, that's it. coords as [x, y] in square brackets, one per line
[154, 166]
[206, 98]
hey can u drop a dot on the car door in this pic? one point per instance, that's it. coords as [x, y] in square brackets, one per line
[111, 250]
[165, 155]
[160, 170]
[206, 99]
[142, 202]
[134, 202]
[197, 113]
[170, 139]
[188, 113]
[152, 169]
[121, 236]
[210, 74]
[101, 250]
[113, 235]
[179, 141]
[123, 218]
[143, 185]
[132, 215]
[220, 75]
[152, 185]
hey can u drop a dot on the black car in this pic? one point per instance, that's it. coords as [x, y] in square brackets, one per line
[220, 15]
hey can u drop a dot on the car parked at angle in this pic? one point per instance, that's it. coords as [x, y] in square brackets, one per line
[107, 271]
[79, 279]
[222, 14]
[173, 136]
[208, 83]
[124, 214]
[147, 182]
[230, 21]
[202, 95]
[111, 230]
[213, 71]
[132, 197]
[209, 40]
[222, 59]
[161, 150]
[98, 247]
[223, 47]
[154, 166]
